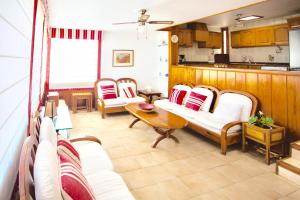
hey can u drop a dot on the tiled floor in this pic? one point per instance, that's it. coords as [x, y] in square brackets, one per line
[193, 169]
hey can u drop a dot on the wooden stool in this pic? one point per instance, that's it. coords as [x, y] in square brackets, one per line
[87, 96]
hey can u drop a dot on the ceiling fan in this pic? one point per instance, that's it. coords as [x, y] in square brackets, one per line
[143, 19]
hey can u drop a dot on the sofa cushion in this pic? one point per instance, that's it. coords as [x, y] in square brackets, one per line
[46, 172]
[184, 112]
[48, 132]
[93, 157]
[105, 83]
[228, 112]
[63, 157]
[206, 92]
[209, 121]
[124, 86]
[108, 185]
[166, 104]
[177, 96]
[73, 183]
[108, 92]
[244, 101]
[65, 147]
[119, 101]
[136, 99]
[185, 88]
[195, 101]
[129, 92]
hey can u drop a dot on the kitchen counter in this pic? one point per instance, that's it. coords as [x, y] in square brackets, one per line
[195, 63]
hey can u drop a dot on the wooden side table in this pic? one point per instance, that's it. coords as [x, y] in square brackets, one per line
[266, 137]
[87, 96]
[53, 96]
[149, 94]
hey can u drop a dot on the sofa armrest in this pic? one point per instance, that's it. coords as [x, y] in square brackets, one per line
[226, 127]
[86, 138]
[101, 101]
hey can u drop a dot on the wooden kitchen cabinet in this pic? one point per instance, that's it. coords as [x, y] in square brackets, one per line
[235, 39]
[185, 37]
[264, 36]
[281, 35]
[214, 40]
[247, 38]
[201, 36]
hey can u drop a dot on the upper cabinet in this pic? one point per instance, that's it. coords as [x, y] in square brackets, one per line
[214, 40]
[185, 37]
[201, 36]
[257, 37]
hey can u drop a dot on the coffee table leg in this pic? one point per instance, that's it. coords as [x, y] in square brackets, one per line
[133, 123]
[164, 134]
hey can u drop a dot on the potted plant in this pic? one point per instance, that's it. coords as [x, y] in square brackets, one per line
[261, 120]
[261, 129]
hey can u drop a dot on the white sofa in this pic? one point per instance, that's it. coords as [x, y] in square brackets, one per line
[96, 167]
[116, 104]
[220, 116]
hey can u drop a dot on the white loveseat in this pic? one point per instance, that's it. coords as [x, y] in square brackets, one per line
[221, 115]
[96, 167]
[116, 104]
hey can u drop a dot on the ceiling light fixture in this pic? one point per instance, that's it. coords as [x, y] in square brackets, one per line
[248, 18]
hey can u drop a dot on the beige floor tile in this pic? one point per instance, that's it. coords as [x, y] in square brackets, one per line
[295, 195]
[152, 192]
[205, 181]
[146, 160]
[125, 164]
[192, 169]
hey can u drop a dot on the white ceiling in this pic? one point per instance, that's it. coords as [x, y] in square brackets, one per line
[100, 14]
[267, 9]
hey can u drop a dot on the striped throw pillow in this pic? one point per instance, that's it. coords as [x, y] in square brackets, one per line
[74, 185]
[195, 101]
[129, 92]
[64, 147]
[108, 91]
[177, 96]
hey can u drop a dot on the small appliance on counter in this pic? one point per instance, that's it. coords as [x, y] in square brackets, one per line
[181, 59]
[221, 60]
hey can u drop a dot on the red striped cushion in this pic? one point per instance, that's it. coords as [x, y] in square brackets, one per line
[108, 91]
[66, 148]
[195, 101]
[177, 96]
[129, 92]
[73, 184]
[66, 158]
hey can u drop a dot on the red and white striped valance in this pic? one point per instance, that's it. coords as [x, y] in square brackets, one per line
[65, 33]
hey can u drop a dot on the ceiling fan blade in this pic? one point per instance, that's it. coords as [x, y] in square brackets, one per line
[124, 23]
[160, 22]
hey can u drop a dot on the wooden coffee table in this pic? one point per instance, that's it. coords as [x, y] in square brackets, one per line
[162, 121]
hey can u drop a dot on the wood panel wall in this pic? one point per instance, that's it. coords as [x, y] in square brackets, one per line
[278, 93]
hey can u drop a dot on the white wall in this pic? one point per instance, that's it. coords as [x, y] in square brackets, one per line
[260, 54]
[198, 54]
[15, 50]
[15, 40]
[147, 66]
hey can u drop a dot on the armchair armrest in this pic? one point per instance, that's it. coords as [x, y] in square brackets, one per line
[86, 138]
[226, 127]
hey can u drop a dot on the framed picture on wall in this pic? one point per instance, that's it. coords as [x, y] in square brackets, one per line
[123, 58]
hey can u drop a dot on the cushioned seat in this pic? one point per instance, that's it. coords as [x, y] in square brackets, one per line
[108, 185]
[136, 99]
[165, 104]
[119, 101]
[92, 156]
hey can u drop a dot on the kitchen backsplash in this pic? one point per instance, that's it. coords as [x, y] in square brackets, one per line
[260, 54]
[198, 54]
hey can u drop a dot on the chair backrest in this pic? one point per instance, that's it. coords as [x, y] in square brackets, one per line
[122, 83]
[35, 125]
[104, 81]
[26, 175]
[247, 101]
[211, 93]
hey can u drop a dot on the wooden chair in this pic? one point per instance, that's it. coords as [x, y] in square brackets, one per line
[224, 139]
[26, 176]
[100, 101]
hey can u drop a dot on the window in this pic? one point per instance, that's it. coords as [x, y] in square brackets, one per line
[73, 63]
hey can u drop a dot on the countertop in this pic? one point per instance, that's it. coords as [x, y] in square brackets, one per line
[190, 63]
